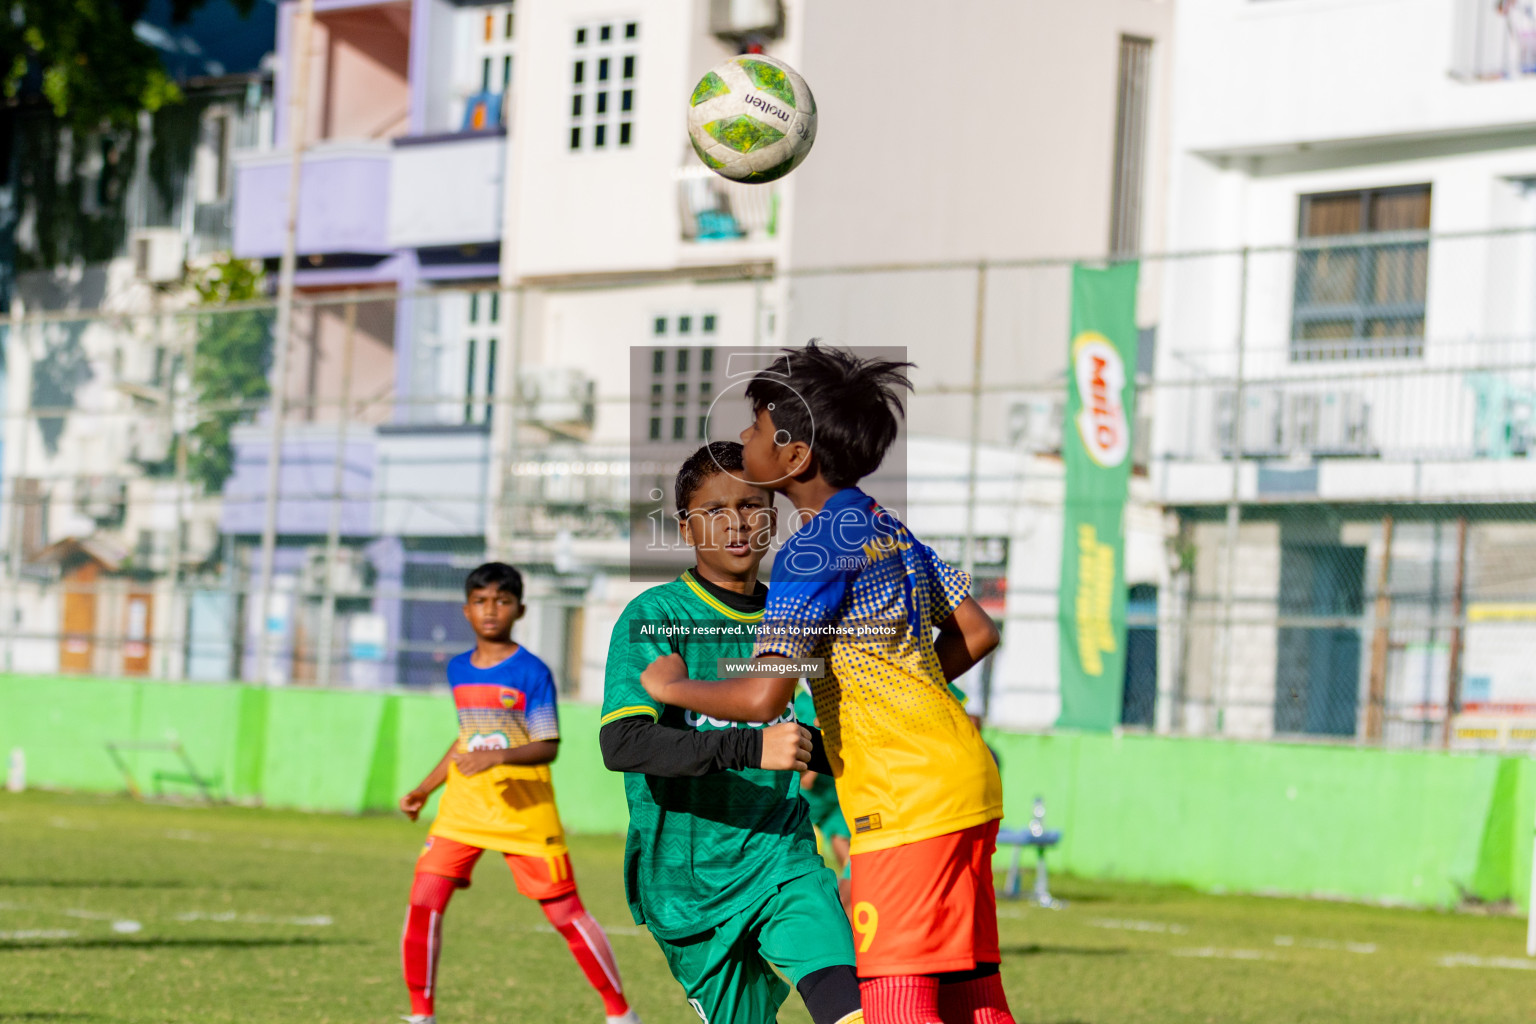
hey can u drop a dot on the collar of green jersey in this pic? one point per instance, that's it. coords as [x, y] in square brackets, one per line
[702, 590]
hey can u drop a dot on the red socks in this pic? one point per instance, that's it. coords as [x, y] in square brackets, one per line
[920, 999]
[589, 945]
[423, 938]
[978, 1001]
[901, 999]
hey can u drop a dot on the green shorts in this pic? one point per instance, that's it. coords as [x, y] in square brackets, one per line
[728, 974]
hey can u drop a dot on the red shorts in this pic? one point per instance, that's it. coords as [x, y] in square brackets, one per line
[538, 878]
[926, 907]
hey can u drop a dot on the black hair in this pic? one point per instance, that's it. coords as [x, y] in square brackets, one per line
[500, 575]
[715, 457]
[844, 407]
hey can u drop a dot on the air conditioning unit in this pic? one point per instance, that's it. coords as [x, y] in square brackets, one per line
[1034, 425]
[1343, 424]
[348, 571]
[159, 255]
[1263, 423]
[1328, 423]
[559, 397]
[735, 19]
[102, 498]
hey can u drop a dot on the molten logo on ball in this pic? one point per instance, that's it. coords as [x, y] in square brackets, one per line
[752, 119]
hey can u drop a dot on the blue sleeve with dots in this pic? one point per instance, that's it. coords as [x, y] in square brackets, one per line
[948, 587]
[807, 595]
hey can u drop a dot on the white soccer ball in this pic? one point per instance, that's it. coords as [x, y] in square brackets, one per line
[752, 118]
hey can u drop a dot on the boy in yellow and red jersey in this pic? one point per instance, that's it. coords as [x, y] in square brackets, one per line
[916, 782]
[499, 798]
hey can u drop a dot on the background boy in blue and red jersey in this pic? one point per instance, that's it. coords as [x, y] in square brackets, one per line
[895, 623]
[499, 798]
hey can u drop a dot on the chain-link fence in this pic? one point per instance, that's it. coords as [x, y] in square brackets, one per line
[1330, 530]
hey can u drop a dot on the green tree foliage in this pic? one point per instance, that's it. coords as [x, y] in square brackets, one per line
[229, 374]
[85, 59]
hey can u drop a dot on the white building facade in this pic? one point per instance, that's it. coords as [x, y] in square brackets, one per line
[989, 131]
[1360, 174]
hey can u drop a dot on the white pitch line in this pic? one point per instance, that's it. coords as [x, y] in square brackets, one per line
[1212, 953]
[86, 915]
[1159, 927]
[1468, 960]
[230, 917]
[187, 835]
[1329, 944]
[75, 826]
[121, 925]
[292, 846]
[39, 933]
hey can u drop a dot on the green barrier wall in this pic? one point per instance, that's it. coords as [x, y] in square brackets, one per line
[1419, 828]
[1427, 829]
[322, 750]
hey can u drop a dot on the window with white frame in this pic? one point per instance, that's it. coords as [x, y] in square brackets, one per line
[683, 376]
[604, 72]
[495, 47]
[482, 327]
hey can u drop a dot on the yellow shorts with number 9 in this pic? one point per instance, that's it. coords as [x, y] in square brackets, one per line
[926, 907]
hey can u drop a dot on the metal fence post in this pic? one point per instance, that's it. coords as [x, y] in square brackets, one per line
[325, 655]
[1458, 635]
[1381, 637]
[297, 127]
[1234, 510]
[973, 453]
[19, 353]
[176, 625]
[515, 414]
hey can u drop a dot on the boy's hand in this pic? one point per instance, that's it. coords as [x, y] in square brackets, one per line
[474, 762]
[661, 673]
[412, 803]
[786, 747]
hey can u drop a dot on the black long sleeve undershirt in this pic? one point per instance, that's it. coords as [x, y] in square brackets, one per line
[637, 744]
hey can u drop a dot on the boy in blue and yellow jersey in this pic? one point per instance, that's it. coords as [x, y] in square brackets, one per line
[499, 798]
[720, 863]
[854, 587]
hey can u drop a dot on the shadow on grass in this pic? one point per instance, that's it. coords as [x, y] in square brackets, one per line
[188, 943]
[49, 1015]
[128, 883]
[1035, 949]
[93, 883]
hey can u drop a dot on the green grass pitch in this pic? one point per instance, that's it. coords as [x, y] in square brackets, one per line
[114, 911]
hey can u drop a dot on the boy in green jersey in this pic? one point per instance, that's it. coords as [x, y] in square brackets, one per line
[720, 863]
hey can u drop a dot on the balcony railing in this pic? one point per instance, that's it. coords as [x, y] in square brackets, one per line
[1466, 401]
[343, 200]
[1496, 39]
[715, 209]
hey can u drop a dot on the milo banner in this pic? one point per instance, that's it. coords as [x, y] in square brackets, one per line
[1096, 448]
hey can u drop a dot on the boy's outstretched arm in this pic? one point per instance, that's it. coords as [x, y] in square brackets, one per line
[747, 699]
[965, 637]
[473, 762]
[412, 803]
[637, 744]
